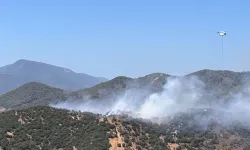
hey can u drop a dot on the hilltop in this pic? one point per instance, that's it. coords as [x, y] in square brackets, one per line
[24, 71]
[110, 89]
[222, 84]
[225, 80]
[32, 94]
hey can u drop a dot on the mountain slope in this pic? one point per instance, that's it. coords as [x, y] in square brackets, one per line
[31, 94]
[23, 71]
[106, 89]
[220, 79]
[49, 128]
[112, 88]
[218, 84]
[34, 93]
[9, 82]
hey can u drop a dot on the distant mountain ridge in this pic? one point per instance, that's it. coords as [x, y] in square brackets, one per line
[24, 71]
[35, 93]
[218, 84]
[108, 90]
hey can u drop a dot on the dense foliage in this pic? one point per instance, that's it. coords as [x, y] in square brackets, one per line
[48, 128]
[44, 127]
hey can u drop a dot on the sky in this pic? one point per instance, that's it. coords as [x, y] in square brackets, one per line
[129, 38]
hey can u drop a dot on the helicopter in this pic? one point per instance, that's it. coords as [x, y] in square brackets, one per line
[222, 33]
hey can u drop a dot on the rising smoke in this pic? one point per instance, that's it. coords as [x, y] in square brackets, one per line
[179, 95]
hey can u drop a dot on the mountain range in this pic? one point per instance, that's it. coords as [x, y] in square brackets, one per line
[217, 85]
[29, 121]
[24, 71]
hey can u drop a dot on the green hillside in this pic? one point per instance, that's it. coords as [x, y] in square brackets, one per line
[48, 128]
[31, 94]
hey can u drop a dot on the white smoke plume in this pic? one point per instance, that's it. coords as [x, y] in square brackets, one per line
[179, 95]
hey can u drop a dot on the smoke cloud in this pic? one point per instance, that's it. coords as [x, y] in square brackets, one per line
[179, 95]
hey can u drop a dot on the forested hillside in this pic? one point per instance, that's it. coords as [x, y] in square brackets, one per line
[50, 128]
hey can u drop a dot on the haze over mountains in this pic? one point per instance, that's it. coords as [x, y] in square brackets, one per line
[24, 71]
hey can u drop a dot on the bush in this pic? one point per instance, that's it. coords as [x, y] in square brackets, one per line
[119, 145]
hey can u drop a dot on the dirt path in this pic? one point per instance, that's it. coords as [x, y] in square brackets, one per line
[173, 146]
[118, 140]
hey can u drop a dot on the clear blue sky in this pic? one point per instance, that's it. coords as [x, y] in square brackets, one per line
[126, 37]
